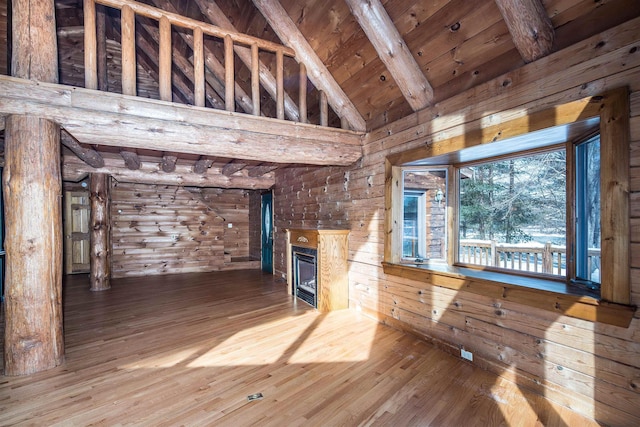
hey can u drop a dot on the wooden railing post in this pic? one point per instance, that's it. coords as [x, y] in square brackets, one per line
[90, 45]
[547, 259]
[198, 67]
[255, 79]
[494, 254]
[324, 109]
[164, 60]
[280, 83]
[229, 81]
[303, 94]
[128, 42]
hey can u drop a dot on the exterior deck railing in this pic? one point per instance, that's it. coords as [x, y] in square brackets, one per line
[533, 257]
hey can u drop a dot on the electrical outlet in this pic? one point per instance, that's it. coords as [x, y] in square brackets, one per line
[466, 354]
[230, 225]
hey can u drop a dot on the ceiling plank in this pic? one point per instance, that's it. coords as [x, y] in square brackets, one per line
[124, 121]
[87, 155]
[151, 173]
[318, 73]
[211, 10]
[393, 52]
[530, 27]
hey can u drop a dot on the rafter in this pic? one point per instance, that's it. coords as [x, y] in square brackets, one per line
[131, 159]
[318, 73]
[211, 10]
[393, 52]
[530, 27]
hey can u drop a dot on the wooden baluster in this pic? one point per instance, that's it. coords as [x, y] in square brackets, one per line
[324, 109]
[128, 35]
[198, 67]
[101, 34]
[280, 84]
[229, 81]
[547, 259]
[164, 59]
[90, 45]
[255, 79]
[302, 99]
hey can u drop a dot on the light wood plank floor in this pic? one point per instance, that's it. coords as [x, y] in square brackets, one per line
[189, 349]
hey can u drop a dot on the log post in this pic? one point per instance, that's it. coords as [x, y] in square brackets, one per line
[33, 339]
[90, 45]
[100, 253]
[128, 36]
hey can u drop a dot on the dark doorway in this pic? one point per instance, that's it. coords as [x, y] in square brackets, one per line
[267, 232]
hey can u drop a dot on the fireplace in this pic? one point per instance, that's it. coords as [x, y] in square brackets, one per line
[305, 273]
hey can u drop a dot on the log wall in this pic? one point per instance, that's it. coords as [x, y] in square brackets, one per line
[158, 229]
[590, 367]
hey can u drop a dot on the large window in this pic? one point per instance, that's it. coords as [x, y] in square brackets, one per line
[520, 208]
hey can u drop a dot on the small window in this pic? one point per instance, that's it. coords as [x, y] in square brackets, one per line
[424, 221]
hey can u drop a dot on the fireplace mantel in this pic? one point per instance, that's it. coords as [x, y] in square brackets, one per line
[333, 276]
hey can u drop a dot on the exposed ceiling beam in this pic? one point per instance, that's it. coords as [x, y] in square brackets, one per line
[393, 52]
[318, 73]
[125, 121]
[87, 155]
[168, 163]
[261, 170]
[151, 173]
[530, 27]
[231, 168]
[131, 159]
[210, 9]
[202, 165]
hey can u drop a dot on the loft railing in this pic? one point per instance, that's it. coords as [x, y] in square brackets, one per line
[532, 257]
[166, 20]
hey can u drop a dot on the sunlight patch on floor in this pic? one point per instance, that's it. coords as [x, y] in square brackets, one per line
[310, 351]
[241, 348]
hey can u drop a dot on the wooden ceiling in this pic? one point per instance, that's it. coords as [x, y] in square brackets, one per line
[451, 46]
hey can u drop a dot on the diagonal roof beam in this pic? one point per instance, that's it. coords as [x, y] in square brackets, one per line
[530, 27]
[210, 9]
[393, 52]
[318, 73]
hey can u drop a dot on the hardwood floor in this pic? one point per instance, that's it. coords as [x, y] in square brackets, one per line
[189, 349]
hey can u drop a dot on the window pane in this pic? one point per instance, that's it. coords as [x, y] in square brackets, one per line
[424, 214]
[588, 211]
[513, 214]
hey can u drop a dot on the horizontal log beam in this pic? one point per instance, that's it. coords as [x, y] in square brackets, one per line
[124, 121]
[151, 173]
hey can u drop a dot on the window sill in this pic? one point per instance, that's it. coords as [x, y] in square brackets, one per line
[539, 293]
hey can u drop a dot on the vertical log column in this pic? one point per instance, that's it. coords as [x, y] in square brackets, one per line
[100, 269]
[33, 339]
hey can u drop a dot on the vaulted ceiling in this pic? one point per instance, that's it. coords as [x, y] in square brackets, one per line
[389, 57]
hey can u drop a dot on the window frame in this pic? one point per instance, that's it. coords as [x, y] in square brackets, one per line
[612, 306]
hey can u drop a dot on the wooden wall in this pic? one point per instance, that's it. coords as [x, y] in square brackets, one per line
[159, 229]
[590, 367]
